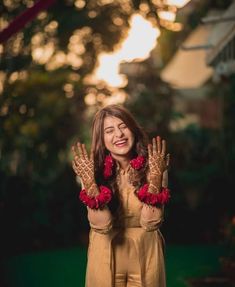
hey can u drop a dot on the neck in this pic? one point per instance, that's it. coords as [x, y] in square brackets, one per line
[122, 160]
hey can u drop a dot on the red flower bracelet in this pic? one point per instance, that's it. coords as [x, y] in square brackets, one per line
[98, 201]
[153, 198]
[105, 196]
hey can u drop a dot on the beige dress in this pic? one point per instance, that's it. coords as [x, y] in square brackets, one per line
[114, 242]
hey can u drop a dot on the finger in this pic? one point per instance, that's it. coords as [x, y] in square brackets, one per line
[84, 151]
[73, 151]
[167, 159]
[150, 150]
[163, 147]
[80, 151]
[92, 155]
[159, 145]
[74, 166]
[154, 146]
[76, 160]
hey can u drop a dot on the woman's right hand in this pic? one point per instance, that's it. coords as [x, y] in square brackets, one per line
[83, 165]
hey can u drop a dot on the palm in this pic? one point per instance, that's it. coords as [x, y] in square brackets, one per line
[158, 161]
[83, 165]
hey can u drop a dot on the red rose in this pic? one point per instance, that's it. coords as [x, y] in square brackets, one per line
[138, 162]
[153, 198]
[98, 201]
[108, 166]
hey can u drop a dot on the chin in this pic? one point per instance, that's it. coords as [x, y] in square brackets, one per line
[121, 152]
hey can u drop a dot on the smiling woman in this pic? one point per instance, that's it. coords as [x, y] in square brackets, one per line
[118, 139]
[125, 189]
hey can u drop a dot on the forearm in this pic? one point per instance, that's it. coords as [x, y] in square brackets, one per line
[91, 188]
[151, 217]
[100, 219]
[155, 183]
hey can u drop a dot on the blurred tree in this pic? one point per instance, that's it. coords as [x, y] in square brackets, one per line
[43, 73]
[204, 161]
[150, 99]
[42, 109]
[37, 123]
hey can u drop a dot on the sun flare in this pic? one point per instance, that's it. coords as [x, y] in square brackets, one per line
[141, 40]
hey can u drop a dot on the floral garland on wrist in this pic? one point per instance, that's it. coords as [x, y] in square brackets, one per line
[153, 198]
[105, 195]
[99, 201]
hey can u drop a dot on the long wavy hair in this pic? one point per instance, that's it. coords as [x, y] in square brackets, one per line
[98, 146]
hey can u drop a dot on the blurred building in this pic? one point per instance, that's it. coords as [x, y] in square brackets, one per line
[206, 56]
[222, 40]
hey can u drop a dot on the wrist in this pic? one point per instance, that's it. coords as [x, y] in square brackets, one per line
[155, 183]
[154, 188]
[153, 199]
[92, 189]
[96, 201]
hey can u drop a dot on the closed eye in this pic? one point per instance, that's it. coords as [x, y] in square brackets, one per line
[108, 131]
[122, 126]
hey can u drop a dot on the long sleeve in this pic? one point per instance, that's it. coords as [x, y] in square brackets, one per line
[152, 217]
[100, 219]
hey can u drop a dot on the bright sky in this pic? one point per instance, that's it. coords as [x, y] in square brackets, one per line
[141, 40]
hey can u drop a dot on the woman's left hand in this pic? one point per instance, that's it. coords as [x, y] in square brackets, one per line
[158, 160]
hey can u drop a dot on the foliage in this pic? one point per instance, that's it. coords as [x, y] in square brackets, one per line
[150, 100]
[37, 186]
[42, 111]
[36, 123]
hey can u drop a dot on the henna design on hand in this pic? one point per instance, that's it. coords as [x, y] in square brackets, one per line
[83, 166]
[158, 162]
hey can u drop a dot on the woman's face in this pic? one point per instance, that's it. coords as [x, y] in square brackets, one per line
[118, 139]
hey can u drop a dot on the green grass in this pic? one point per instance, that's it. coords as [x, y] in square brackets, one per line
[183, 262]
[66, 268]
[53, 268]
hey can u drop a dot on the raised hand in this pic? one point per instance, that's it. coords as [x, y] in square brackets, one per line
[83, 165]
[158, 162]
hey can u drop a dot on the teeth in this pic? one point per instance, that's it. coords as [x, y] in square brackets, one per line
[120, 142]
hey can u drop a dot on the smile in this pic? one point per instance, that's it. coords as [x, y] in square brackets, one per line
[120, 143]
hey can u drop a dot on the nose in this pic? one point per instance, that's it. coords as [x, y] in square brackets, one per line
[118, 132]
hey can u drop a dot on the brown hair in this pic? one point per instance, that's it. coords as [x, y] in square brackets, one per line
[98, 146]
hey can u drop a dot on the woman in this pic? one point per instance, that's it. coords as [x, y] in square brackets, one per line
[125, 188]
